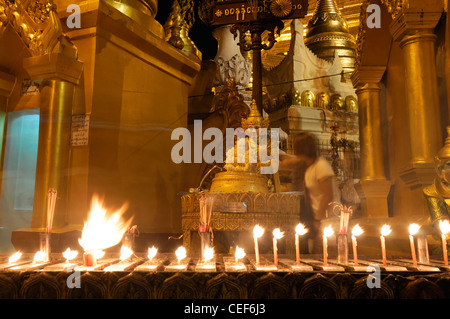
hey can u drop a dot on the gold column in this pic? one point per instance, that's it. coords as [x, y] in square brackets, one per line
[7, 82]
[415, 32]
[60, 75]
[373, 187]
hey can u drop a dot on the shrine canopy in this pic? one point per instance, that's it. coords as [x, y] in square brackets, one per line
[247, 11]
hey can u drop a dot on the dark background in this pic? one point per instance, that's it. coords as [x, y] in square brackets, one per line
[199, 33]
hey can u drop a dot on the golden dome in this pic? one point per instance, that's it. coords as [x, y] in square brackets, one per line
[327, 33]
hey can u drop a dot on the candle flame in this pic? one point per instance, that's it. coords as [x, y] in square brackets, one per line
[15, 257]
[180, 253]
[258, 231]
[39, 257]
[301, 230]
[102, 231]
[240, 253]
[444, 226]
[277, 234]
[385, 230]
[328, 231]
[413, 229]
[357, 230]
[125, 252]
[70, 254]
[208, 253]
[152, 252]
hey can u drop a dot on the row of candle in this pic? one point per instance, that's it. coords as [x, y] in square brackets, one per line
[258, 231]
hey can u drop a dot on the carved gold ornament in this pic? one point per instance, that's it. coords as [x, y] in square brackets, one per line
[281, 8]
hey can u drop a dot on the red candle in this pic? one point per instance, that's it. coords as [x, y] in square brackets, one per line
[299, 231]
[385, 230]
[89, 259]
[445, 228]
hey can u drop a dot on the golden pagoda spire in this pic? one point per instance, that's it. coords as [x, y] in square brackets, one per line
[327, 33]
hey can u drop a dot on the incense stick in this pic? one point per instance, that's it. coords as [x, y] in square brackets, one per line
[50, 208]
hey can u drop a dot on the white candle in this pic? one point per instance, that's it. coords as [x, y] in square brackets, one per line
[413, 229]
[258, 231]
[385, 230]
[445, 228]
[277, 234]
[356, 231]
[328, 231]
[299, 231]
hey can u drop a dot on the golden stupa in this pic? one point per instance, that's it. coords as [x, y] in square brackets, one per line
[327, 33]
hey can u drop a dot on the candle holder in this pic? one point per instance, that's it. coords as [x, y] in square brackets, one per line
[422, 248]
[342, 247]
[44, 244]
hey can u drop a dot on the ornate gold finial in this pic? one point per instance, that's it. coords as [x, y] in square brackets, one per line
[172, 27]
[327, 33]
[444, 153]
[188, 18]
[254, 119]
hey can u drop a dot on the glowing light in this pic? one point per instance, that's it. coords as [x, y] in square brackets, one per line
[125, 252]
[152, 252]
[39, 257]
[386, 230]
[328, 231]
[208, 253]
[15, 257]
[277, 234]
[70, 254]
[240, 253]
[301, 230]
[102, 231]
[357, 230]
[180, 253]
[413, 229]
[258, 231]
[444, 225]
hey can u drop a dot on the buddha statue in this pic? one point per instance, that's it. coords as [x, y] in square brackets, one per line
[308, 98]
[336, 103]
[322, 100]
[438, 193]
[351, 104]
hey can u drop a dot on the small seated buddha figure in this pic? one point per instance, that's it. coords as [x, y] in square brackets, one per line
[438, 193]
[322, 100]
[308, 99]
[351, 104]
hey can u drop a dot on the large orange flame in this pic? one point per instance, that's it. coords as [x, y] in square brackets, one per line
[102, 231]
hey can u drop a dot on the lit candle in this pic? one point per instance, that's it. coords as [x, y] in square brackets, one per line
[39, 257]
[70, 254]
[258, 231]
[239, 254]
[208, 254]
[300, 230]
[152, 252]
[413, 229]
[385, 230]
[277, 234]
[180, 253]
[445, 228]
[356, 231]
[327, 232]
[15, 257]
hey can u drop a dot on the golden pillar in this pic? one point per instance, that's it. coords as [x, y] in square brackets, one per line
[415, 32]
[373, 187]
[60, 74]
[7, 82]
